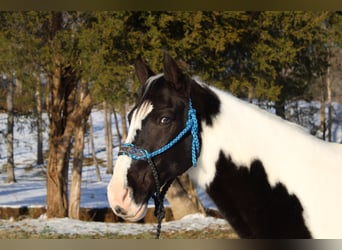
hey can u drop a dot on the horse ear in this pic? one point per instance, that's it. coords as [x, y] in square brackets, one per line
[172, 72]
[142, 70]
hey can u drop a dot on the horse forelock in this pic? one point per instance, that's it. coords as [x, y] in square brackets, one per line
[142, 109]
[148, 85]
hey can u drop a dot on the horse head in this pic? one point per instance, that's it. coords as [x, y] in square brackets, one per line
[162, 130]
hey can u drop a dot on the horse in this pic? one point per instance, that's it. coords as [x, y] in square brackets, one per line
[268, 177]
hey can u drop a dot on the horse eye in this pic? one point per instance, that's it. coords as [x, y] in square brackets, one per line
[165, 120]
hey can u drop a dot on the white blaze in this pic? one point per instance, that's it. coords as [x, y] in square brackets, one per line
[138, 116]
[119, 194]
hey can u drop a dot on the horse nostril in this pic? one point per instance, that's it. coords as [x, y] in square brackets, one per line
[119, 210]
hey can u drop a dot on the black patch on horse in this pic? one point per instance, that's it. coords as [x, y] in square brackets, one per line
[252, 207]
[206, 102]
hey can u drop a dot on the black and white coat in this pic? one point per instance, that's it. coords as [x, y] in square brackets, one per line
[268, 177]
[273, 170]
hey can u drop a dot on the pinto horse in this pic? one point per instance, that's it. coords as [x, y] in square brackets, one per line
[268, 177]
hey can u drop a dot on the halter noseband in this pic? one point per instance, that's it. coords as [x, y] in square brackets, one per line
[135, 153]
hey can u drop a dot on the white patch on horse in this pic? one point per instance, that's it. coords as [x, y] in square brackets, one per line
[124, 162]
[308, 167]
[121, 168]
[138, 116]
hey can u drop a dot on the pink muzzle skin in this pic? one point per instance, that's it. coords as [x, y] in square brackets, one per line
[121, 201]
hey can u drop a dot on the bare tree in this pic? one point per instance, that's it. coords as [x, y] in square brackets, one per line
[123, 122]
[328, 88]
[93, 153]
[39, 111]
[322, 116]
[116, 122]
[329, 103]
[109, 137]
[10, 126]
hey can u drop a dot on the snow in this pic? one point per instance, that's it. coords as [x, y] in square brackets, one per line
[77, 227]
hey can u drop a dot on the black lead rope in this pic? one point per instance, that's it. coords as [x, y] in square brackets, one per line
[159, 210]
[158, 196]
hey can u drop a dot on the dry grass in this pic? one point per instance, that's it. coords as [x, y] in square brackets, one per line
[18, 233]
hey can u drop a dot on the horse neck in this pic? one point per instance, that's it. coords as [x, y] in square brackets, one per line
[245, 133]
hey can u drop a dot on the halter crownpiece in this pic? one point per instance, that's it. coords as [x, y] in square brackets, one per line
[136, 153]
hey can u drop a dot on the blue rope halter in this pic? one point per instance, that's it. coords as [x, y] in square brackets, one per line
[135, 153]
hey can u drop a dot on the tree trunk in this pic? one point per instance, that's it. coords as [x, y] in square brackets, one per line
[57, 177]
[76, 175]
[329, 100]
[65, 116]
[109, 138]
[40, 159]
[59, 141]
[116, 121]
[93, 153]
[280, 108]
[76, 179]
[124, 126]
[60, 145]
[251, 94]
[183, 198]
[322, 116]
[10, 126]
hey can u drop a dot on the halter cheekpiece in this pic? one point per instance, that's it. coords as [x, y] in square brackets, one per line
[135, 153]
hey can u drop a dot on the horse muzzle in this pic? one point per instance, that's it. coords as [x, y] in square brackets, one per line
[122, 203]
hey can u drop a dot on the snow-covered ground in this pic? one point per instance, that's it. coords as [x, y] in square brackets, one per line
[193, 222]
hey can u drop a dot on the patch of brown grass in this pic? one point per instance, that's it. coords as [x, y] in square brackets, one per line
[211, 233]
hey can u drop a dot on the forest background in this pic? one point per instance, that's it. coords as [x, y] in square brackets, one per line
[65, 63]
